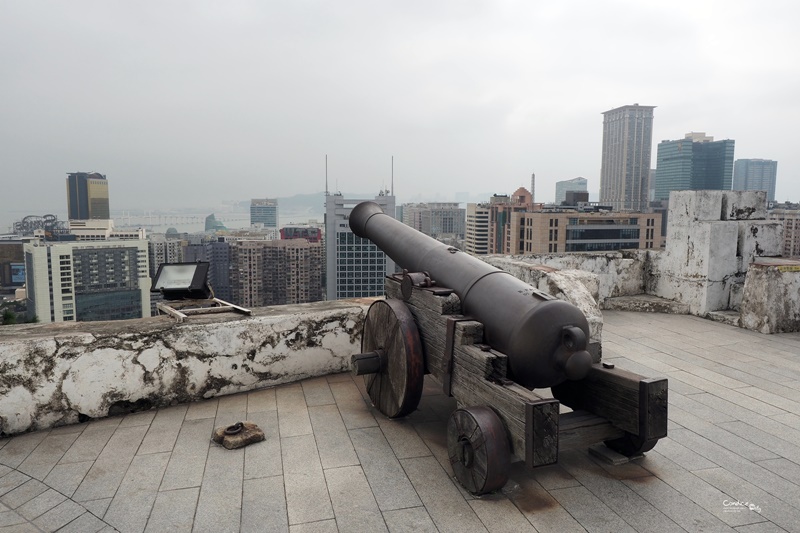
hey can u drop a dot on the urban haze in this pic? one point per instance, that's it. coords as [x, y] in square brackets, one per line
[197, 104]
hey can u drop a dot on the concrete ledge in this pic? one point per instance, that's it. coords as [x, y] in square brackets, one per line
[646, 303]
[56, 374]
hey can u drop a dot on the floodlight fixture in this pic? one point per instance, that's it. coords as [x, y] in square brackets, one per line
[187, 291]
[183, 281]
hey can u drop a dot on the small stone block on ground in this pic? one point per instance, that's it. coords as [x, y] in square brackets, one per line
[607, 455]
[238, 435]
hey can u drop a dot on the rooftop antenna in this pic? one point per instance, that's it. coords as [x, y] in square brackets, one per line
[392, 175]
[326, 174]
[533, 187]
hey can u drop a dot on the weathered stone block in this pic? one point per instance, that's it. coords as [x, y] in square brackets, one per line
[759, 238]
[771, 303]
[707, 251]
[686, 207]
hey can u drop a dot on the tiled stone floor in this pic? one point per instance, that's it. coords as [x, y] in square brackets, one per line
[332, 463]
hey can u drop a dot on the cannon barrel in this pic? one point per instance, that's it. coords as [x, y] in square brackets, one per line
[544, 338]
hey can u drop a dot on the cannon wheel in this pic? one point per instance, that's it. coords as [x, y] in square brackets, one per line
[396, 389]
[631, 445]
[478, 447]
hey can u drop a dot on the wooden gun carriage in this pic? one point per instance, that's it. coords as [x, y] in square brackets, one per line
[491, 340]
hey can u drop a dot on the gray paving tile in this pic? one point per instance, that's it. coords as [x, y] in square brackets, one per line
[66, 478]
[135, 496]
[18, 448]
[261, 400]
[788, 470]
[403, 437]
[231, 409]
[444, 502]
[614, 494]
[41, 460]
[59, 516]
[68, 428]
[553, 477]
[434, 435]
[87, 446]
[771, 398]
[498, 514]
[676, 506]
[322, 526]
[97, 507]
[761, 527]
[202, 409]
[173, 511]
[219, 506]
[10, 518]
[292, 411]
[4, 470]
[731, 441]
[307, 498]
[22, 494]
[735, 464]
[163, 430]
[264, 505]
[40, 504]
[85, 523]
[20, 528]
[104, 423]
[355, 412]
[106, 474]
[779, 446]
[333, 441]
[691, 405]
[12, 480]
[188, 460]
[682, 456]
[769, 507]
[353, 503]
[317, 392]
[339, 378]
[143, 418]
[589, 510]
[390, 485]
[411, 520]
[733, 396]
[263, 459]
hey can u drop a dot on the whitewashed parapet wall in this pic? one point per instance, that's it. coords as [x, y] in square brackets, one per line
[55, 374]
[712, 237]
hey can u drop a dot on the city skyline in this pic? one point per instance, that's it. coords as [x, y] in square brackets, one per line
[466, 98]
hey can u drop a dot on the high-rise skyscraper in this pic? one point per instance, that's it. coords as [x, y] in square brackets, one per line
[354, 267]
[87, 196]
[264, 211]
[440, 219]
[755, 175]
[477, 229]
[696, 162]
[575, 184]
[627, 142]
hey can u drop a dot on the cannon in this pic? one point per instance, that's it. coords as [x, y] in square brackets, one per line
[492, 341]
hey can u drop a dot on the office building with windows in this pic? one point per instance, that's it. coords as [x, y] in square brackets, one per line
[437, 220]
[558, 231]
[477, 229]
[562, 187]
[87, 196]
[85, 281]
[696, 162]
[264, 211]
[354, 267]
[625, 165]
[756, 175]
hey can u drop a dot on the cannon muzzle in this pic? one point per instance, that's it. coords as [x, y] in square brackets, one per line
[545, 339]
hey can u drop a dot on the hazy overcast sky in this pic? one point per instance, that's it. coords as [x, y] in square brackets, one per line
[197, 102]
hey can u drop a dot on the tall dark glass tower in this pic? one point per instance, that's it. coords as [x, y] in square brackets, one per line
[87, 196]
[696, 162]
[625, 169]
[756, 175]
